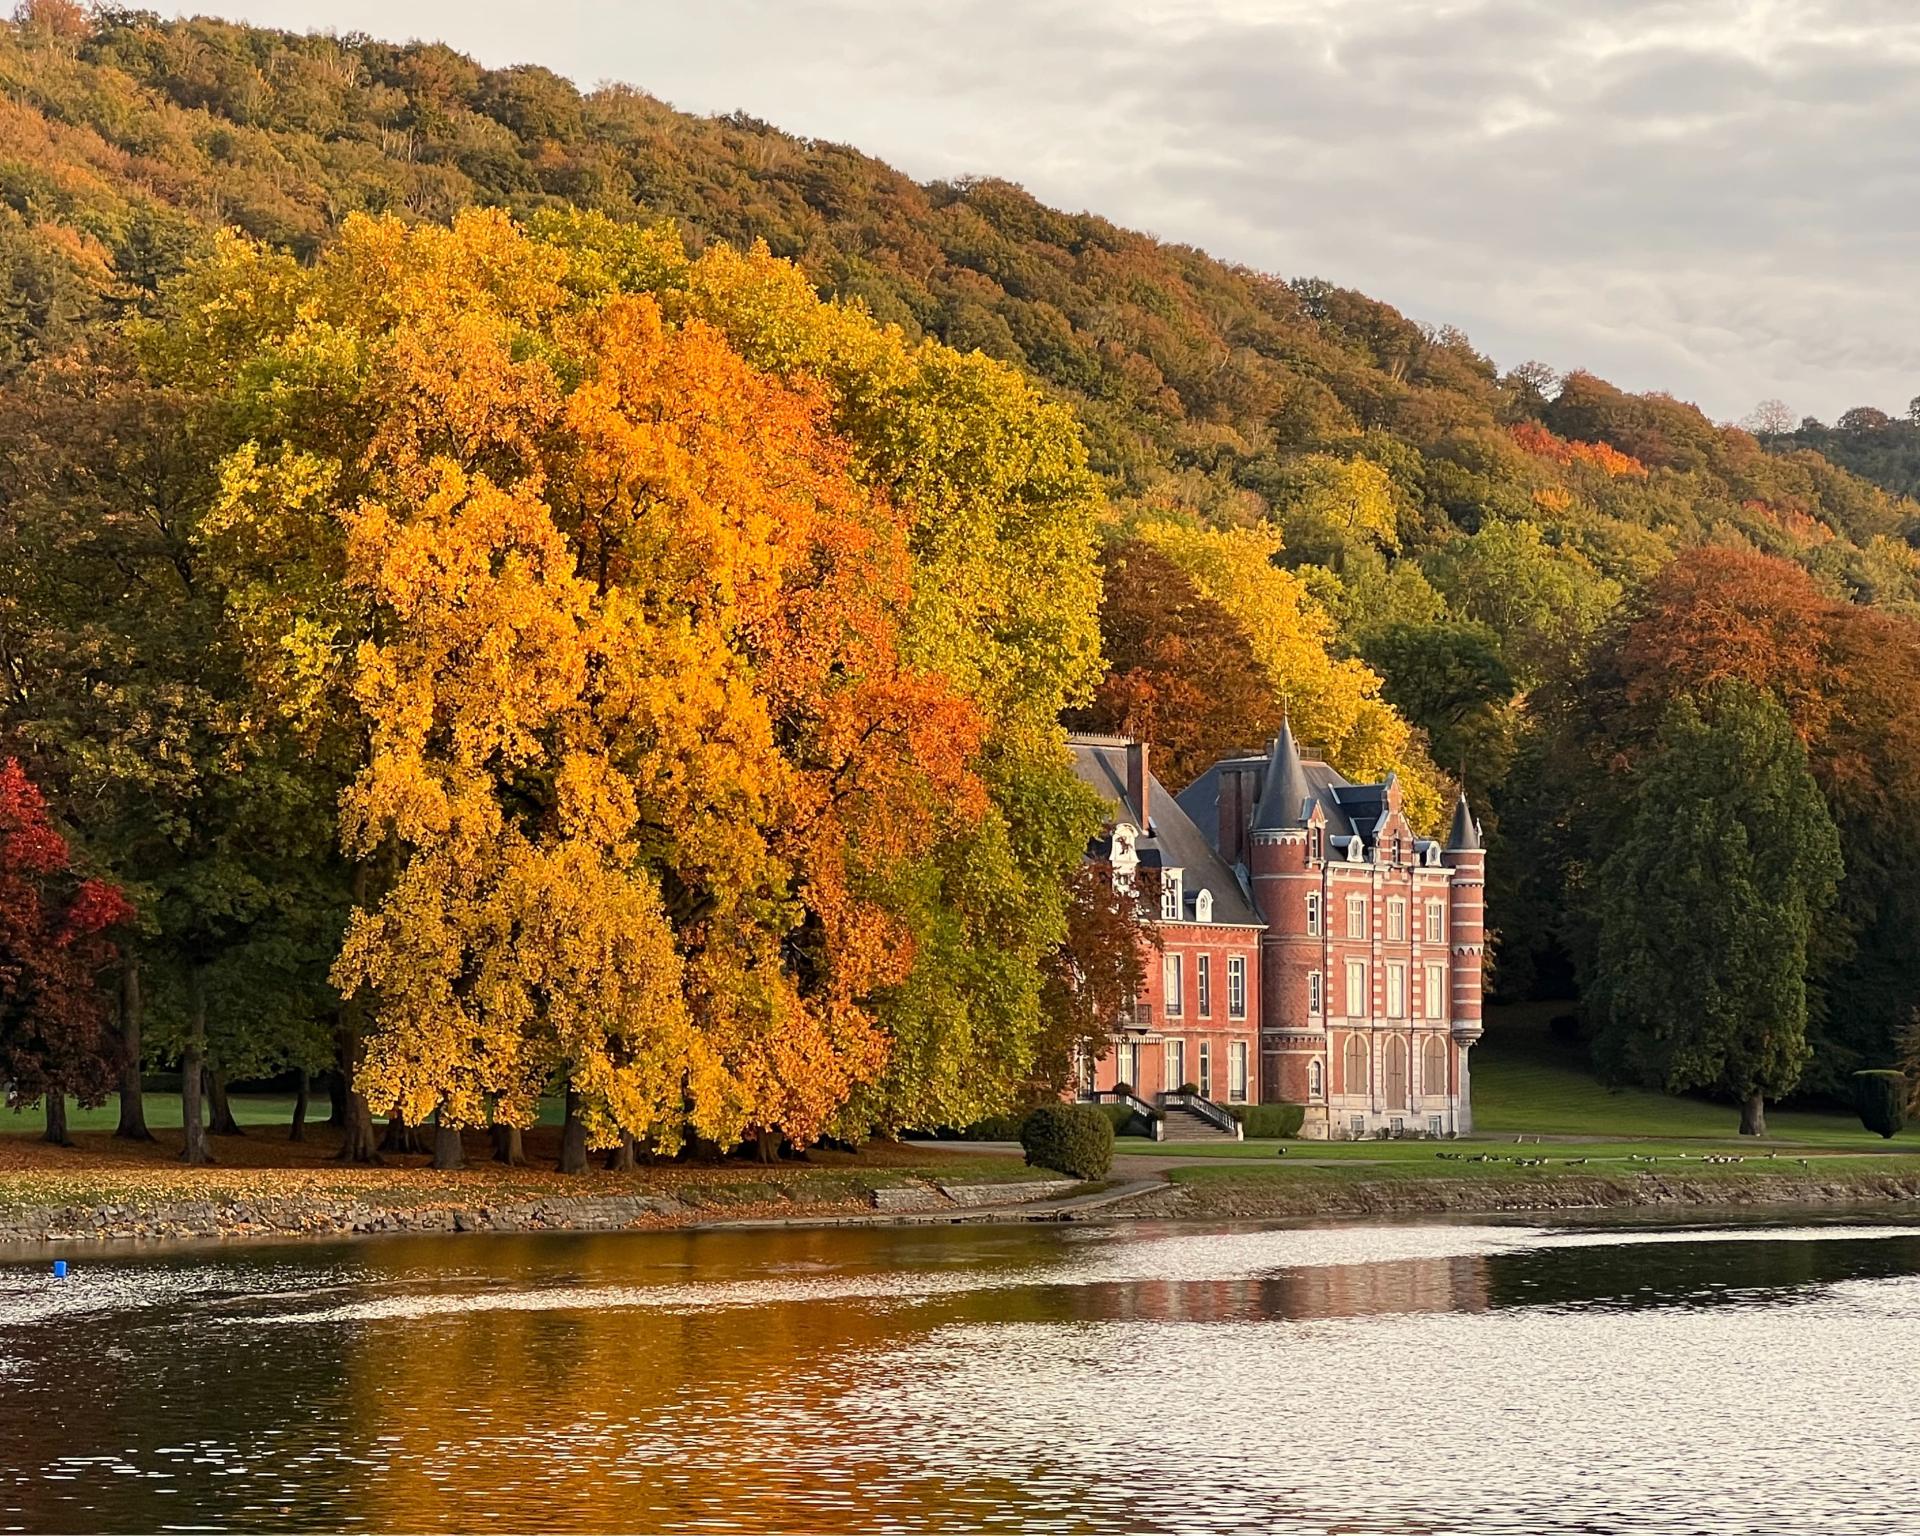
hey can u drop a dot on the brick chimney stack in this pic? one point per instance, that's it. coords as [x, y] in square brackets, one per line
[1137, 782]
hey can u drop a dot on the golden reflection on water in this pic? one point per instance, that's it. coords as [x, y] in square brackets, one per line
[1362, 1379]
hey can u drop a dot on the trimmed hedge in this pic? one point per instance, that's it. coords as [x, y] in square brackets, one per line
[1882, 1100]
[1268, 1122]
[993, 1128]
[1075, 1139]
[1128, 1121]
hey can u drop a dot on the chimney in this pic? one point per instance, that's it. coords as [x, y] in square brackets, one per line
[1137, 784]
[1235, 812]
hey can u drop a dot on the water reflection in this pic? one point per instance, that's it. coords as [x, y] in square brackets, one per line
[1387, 1378]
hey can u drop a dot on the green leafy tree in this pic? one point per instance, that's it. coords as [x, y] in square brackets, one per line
[1703, 911]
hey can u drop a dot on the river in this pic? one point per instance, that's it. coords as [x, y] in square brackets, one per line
[1438, 1377]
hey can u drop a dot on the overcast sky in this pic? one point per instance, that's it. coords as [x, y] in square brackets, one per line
[1713, 197]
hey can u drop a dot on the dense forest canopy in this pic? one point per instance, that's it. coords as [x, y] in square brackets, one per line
[1302, 500]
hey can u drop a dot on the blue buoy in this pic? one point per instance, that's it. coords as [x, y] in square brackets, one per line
[59, 1269]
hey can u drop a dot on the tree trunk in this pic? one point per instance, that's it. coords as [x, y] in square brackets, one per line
[1753, 1115]
[447, 1149]
[223, 1122]
[337, 1097]
[192, 1063]
[57, 1119]
[300, 1096]
[573, 1138]
[623, 1158]
[356, 1145]
[508, 1147]
[399, 1137]
[133, 1102]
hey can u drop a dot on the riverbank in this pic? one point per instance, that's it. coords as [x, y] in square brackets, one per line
[1221, 1191]
[264, 1186]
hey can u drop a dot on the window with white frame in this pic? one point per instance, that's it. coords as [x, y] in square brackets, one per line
[1237, 986]
[1172, 990]
[1206, 1069]
[1203, 984]
[1435, 1126]
[1356, 917]
[1203, 907]
[1172, 898]
[1176, 1065]
[1396, 990]
[1313, 914]
[1237, 1071]
[1436, 922]
[1356, 998]
[1434, 992]
[1316, 993]
[1396, 919]
[1316, 1079]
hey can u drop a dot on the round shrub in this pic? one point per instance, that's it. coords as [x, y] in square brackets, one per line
[1191, 1090]
[1074, 1139]
[1882, 1101]
[1119, 1116]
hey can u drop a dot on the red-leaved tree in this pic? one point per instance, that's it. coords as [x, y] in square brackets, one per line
[56, 1037]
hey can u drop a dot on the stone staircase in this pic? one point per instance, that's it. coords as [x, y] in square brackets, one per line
[1181, 1124]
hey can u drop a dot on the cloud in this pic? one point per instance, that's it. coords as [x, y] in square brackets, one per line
[1714, 197]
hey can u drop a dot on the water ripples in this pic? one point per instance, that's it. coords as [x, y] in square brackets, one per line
[1393, 1378]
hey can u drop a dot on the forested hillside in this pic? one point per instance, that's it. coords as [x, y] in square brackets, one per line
[1307, 501]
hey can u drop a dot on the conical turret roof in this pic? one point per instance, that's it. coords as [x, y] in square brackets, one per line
[1284, 797]
[1465, 834]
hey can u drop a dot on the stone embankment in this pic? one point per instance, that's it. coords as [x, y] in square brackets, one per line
[1262, 1195]
[1270, 1198]
[315, 1215]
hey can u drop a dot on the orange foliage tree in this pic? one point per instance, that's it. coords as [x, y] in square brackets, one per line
[622, 630]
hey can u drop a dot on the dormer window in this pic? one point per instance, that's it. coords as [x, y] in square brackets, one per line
[1125, 856]
[1356, 850]
[1172, 898]
[1203, 907]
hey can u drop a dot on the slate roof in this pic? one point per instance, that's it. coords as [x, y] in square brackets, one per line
[1351, 810]
[1286, 798]
[1465, 835]
[1168, 839]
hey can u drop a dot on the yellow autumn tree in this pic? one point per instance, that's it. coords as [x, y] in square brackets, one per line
[1334, 703]
[644, 758]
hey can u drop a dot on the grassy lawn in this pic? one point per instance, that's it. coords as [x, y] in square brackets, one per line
[1527, 1084]
[1526, 1081]
[163, 1113]
[1614, 1154]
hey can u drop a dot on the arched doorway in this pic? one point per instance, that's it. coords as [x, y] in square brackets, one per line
[1394, 1072]
[1433, 1067]
[1356, 1065]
